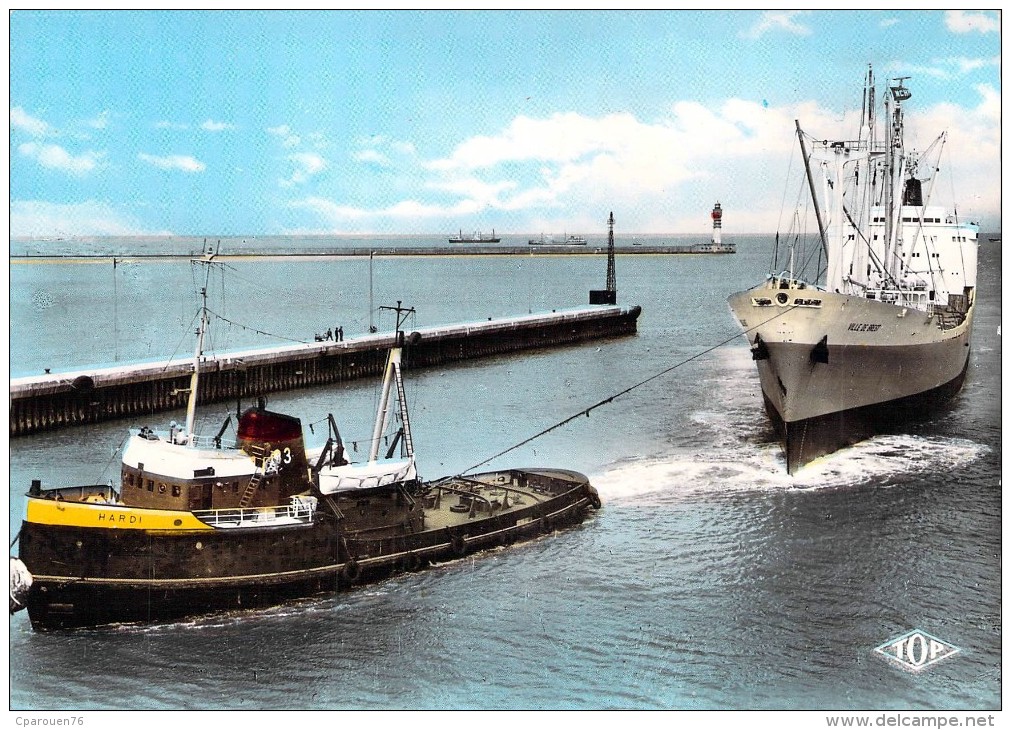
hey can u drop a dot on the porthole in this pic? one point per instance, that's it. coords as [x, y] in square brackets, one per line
[782, 297]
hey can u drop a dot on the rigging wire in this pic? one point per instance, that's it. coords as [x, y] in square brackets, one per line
[586, 411]
[782, 207]
[109, 463]
[184, 336]
[260, 286]
[253, 329]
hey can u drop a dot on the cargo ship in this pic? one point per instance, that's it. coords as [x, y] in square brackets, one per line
[202, 525]
[564, 241]
[884, 336]
[476, 237]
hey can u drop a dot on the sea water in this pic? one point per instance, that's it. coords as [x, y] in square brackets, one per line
[709, 579]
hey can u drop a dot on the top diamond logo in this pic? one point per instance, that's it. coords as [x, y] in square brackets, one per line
[916, 650]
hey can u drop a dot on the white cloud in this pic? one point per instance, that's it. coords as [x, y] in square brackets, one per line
[472, 187]
[55, 157]
[561, 137]
[92, 218]
[659, 176]
[288, 138]
[381, 151]
[185, 163]
[20, 119]
[888, 22]
[570, 162]
[212, 126]
[966, 65]
[372, 157]
[946, 69]
[777, 20]
[99, 122]
[337, 217]
[171, 125]
[966, 21]
[306, 165]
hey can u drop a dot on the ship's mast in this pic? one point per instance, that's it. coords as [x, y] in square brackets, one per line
[858, 277]
[191, 402]
[372, 325]
[814, 193]
[895, 163]
[393, 376]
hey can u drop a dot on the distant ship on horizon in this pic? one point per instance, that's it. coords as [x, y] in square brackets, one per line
[476, 237]
[566, 241]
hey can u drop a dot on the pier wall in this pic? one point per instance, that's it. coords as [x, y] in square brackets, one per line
[51, 401]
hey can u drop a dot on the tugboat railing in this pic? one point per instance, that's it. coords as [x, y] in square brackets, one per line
[298, 510]
[210, 442]
[179, 437]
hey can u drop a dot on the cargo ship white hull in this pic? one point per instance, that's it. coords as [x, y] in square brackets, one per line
[849, 368]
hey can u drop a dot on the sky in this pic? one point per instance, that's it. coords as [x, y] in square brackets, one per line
[431, 122]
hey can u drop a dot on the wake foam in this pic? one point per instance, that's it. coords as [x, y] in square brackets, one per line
[879, 461]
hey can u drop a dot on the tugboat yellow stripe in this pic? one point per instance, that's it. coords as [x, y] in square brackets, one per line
[110, 516]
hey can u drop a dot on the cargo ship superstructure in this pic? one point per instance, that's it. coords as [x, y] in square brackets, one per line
[873, 327]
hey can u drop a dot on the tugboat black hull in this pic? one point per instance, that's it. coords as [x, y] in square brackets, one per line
[95, 576]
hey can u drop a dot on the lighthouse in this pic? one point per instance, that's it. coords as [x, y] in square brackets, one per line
[717, 216]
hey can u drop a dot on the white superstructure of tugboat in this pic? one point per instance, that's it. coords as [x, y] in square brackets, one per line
[879, 331]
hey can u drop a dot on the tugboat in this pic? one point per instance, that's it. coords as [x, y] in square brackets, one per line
[201, 526]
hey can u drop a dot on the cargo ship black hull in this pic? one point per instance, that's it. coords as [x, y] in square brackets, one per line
[812, 438]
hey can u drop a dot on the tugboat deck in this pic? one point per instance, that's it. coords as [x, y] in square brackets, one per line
[457, 501]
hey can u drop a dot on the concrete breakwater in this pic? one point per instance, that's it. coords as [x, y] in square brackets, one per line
[395, 251]
[56, 400]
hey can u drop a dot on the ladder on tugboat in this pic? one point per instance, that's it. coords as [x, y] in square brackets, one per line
[259, 454]
[402, 400]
